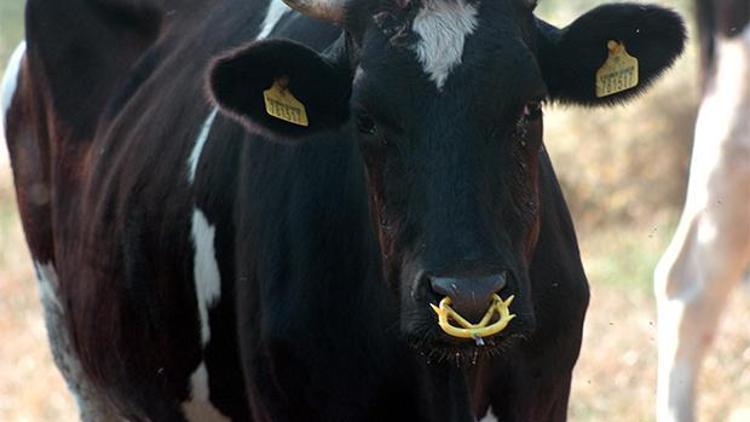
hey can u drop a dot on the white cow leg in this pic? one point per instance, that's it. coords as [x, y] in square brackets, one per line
[686, 326]
[691, 294]
[711, 248]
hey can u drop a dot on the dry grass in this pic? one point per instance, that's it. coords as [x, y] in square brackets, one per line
[31, 389]
[615, 379]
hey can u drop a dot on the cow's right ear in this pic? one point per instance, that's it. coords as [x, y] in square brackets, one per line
[281, 87]
[610, 54]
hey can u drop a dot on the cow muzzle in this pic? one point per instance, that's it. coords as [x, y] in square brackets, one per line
[474, 299]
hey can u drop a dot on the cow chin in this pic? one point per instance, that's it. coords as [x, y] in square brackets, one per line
[419, 325]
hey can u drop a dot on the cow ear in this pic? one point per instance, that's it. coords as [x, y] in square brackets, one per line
[282, 88]
[571, 58]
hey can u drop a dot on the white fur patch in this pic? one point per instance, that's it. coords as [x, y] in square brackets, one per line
[195, 155]
[207, 292]
[489, 416]
[276, 10]
[443, 27]
[48, 283]
[199, 407]
[90, 403]
[711, 247]
[10, 80]
[205, 270]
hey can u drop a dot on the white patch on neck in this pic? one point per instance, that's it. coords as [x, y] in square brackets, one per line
[10, 81]
[205, 270]
[48, 284]
[195, 155]
[489, 416]
[199, 407]
[207, 292]
[276, 10]
[443, 27]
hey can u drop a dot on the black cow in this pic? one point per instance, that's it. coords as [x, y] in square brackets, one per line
[242, 212]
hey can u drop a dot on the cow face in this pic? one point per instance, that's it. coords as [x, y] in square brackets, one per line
[444, 98]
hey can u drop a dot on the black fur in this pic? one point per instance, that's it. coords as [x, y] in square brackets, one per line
[325, 248]
[570, 57]
[321, 86]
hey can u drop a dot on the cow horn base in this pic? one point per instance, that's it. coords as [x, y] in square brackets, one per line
[483, 328]
[325, 10]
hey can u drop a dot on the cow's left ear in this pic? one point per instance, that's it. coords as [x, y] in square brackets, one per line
[283, 88]
[602, 46]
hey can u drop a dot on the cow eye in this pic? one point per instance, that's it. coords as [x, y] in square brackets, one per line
[532, 110]
[366, 125]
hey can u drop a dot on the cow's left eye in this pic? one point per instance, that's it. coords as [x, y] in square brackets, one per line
[532, 110]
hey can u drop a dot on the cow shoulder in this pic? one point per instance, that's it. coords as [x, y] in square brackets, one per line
[72, 47]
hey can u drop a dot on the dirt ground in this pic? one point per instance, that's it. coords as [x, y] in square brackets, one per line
[31, 389]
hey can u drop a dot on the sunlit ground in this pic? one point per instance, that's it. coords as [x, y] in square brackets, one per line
[615, 379]
[31, 389]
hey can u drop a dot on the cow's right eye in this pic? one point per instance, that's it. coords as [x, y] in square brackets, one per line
[366, 125]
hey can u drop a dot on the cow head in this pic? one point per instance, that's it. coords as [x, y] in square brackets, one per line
[445, 100]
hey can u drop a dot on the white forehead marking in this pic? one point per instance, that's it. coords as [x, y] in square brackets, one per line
[276, 10]
[443, 26]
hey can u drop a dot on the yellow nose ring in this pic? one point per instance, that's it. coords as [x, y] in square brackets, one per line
[481, 329]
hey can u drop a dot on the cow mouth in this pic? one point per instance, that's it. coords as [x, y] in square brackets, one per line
[444, 349]
[494, 321]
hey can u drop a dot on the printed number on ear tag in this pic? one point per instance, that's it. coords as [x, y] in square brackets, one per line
[618, 73]
[281, 104]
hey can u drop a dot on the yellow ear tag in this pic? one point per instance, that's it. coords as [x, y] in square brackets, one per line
[281, 104]
[618, 73]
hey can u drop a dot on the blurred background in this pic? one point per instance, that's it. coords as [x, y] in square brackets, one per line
[624, 172]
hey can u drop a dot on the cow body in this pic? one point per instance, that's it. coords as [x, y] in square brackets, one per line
[193, 267]
[711, 247]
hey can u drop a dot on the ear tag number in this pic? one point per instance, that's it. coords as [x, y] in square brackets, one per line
[618, 73]
[281, 104]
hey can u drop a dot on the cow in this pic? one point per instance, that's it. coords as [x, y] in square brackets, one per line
[711, 245]
[314, 210]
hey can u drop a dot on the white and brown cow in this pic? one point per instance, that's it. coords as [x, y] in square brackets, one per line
[711, 248]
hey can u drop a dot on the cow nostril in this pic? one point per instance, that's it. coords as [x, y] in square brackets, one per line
[470, 296]
[475, 286]
[444, 286]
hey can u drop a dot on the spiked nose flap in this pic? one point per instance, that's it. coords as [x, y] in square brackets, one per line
[469, 296]
[464, 329]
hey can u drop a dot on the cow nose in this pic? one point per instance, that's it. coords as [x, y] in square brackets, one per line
[470, 296]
